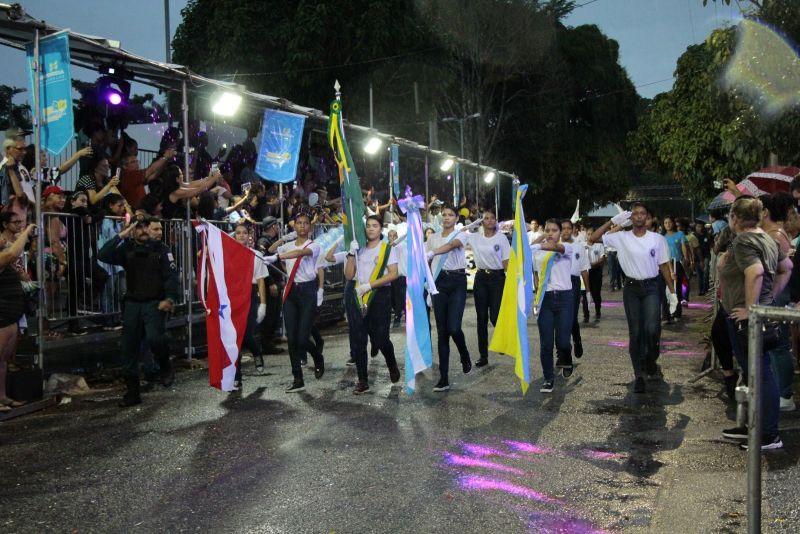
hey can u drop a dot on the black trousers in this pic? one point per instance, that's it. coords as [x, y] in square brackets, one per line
[374, 326]
[271, 321]
[576, 297]
[595, 286]
[399, 297]
[298, 312]
[488, 294]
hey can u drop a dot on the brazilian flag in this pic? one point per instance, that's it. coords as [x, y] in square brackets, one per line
[352, 202]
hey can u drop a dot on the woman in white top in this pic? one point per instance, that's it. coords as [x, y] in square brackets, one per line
[258, 305]
[300, 296]
[490, 251]
[369, 302]
[449, 266]
[555, 307]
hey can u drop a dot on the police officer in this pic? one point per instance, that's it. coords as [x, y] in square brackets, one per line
[152, 288]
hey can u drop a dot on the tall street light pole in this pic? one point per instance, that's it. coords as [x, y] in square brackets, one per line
[460, 121]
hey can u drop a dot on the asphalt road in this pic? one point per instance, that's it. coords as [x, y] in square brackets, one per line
[483, 458]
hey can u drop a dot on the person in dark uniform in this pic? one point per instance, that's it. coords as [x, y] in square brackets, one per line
[152, 288]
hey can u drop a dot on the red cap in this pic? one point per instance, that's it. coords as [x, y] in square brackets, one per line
[52, 190]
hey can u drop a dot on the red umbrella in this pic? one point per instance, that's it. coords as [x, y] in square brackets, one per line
[772, 179]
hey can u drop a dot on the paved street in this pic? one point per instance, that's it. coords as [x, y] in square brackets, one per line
[482, 458]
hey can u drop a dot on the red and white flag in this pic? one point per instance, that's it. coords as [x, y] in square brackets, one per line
[225, 284]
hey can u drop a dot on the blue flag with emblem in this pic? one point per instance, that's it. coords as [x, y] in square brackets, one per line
[279, 153]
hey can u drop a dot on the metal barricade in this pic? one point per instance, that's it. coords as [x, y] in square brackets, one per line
[755, 363]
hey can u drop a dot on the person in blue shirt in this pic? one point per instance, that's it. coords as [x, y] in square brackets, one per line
[677, 245]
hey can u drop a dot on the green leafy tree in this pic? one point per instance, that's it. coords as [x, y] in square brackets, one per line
[12, 114]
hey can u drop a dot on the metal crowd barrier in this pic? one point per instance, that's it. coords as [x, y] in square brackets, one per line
[754, 397]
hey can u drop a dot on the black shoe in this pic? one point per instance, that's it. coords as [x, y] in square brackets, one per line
[273, 350]
[237, 384]
[131, 397]
[769, 442]
[361, 388]
[597, 317]
[654, 372]
[483, 361]
[319, 370]
[397, 323]
[167, 377]
[129, 400]
[296, 387]
[350, 362]
[738, 433]
[441, 385]
[566, 372]
[303, 362]
[578, 349]
[373, 351]
[547, 387]
[259, 363]
[585, 319]
[639, 385]
[466, 365]
[394, 374]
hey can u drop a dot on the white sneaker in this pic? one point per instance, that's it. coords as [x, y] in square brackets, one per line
[788, 405]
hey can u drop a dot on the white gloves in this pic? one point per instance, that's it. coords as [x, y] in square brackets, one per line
[354, 246]
[429, 255]
[271, 259]
[319, 297]
[428, 301]
[261, 313]
[363, 289]
[289, 237]
[620, 218]
[672, 299]
[473, 225]
[589, 299]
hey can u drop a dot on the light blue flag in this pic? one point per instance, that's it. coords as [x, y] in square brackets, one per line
[279, 153]
[394, 167]
[55, 91]
[419, 351]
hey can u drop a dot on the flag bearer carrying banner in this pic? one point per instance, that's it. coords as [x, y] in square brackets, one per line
[511, 332]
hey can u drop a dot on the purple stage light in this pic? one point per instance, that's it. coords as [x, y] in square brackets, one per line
[113, 97]
[481, 450]
[552, 523]
[466, 461]
[532, 448]
[602, 455]
[479, 483]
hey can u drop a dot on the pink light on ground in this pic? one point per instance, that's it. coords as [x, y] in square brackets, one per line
[479, 483]
[544, 523]
[602, 455]
[532, 448]
[699, 306]
[466, 461]
[618, 344]
[612, 304]
[673, 343]
[481, 450]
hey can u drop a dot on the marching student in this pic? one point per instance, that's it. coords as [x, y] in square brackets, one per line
[643, 256]
[554, 301]
[299, 296]
[369, 310]
[580, 272]
[258, 306]
[491, 251]
[450, 276]
[597, 258]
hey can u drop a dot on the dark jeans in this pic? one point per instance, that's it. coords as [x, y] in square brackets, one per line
[721, 339]
[298, 314]
[595, 286]
[555, 322]
[576, 295]
[615, 271]
[702, 276]
[488, 294]
[641, 300]
[271, 321]
[770, 396]
[375, 326]
[143, 320]
[399, 297]
[249, 339]
[448, 308]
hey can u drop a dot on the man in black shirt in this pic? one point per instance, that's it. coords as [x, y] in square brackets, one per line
[703, 259]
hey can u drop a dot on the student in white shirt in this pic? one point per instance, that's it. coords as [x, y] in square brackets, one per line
[580, 272]
[490, 251]
[643, 256]
[451, 282]
[300, 296]
[554, 315]
[258, 305]
[375, 260]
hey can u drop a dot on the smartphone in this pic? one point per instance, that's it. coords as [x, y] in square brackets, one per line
[118, 173]
[246, 187]
[214, 167]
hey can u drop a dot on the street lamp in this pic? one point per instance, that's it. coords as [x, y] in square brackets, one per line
[227, 104]
[460, 121]
[447, 164]
[373, 145]
[489, 177]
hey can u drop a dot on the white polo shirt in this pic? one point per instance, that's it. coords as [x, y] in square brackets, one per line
[260, 269]
[456, 258]
[401, 250]
[561, 272]
[596, 252]
[338, 257]
[307, 271]
[490, 252]
[580, 257]
[639, 257]
[368, 259]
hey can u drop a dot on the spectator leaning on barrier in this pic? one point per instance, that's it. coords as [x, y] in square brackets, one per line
[97, 183]
[112, 224]
[133, 179]
[51, 175]
[174, 191]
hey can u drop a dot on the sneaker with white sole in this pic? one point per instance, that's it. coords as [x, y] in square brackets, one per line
[547, 387]
[788, 405]
[441, 385]
[769, 443]
[738, 433]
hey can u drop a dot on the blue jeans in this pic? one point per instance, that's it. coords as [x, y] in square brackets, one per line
[448, 308]
[781, 357]
[642, 300]
[770, 397]
[555, 325]
[298, 315]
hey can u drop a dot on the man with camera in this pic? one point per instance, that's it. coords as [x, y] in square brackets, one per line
[152, 288]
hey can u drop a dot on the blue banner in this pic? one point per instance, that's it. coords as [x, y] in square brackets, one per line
[55, 91]
[457, 185]
[395, 169]
[281, 137]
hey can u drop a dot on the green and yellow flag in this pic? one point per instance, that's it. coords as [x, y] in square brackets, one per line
[352, 202]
